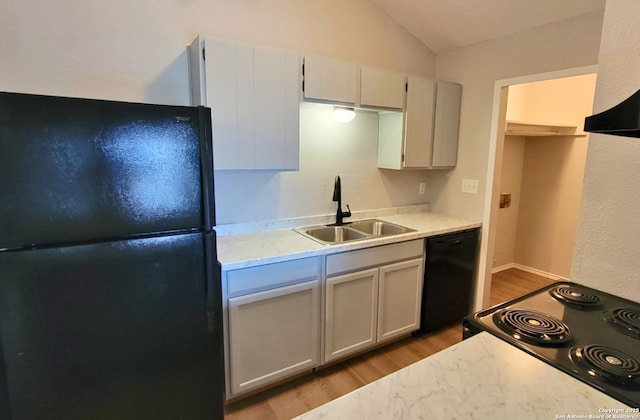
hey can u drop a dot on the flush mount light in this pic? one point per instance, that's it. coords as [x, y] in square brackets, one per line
[343, 114]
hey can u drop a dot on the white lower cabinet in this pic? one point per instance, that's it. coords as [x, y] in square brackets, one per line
[399, 298]
[273, 319]
[272, 333]
[373, 305]
[351, 313]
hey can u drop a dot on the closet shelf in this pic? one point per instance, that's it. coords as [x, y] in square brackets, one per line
[516, 128]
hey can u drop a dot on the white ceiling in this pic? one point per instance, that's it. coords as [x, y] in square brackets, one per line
[444, 25]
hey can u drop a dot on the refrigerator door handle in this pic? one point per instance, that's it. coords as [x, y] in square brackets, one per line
[213, 284]
[213, 299]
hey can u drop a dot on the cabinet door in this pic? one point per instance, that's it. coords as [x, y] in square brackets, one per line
[222, 95]
[351, 313]
[329, 80]
[253, 93]
[418, 123]
[400, 293]
[272, 335]
[390, 140]
[276, 93]
[382, 88]
[446, 123]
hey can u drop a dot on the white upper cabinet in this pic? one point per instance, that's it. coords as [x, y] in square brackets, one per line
[425, 136]
[330, 81]
[418, 122]
[446, 125]
[381, 88]
[253, 93]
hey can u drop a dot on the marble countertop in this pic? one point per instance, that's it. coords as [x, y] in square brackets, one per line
[482, 377]
[247, 249]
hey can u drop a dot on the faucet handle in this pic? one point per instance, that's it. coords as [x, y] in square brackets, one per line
[347, 213]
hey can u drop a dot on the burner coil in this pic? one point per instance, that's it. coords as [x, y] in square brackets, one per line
[625, 320]
[608, 363]
[574, 296]
[532, 327]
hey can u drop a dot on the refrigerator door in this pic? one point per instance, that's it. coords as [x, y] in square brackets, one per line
[74, 170]
[114, 330]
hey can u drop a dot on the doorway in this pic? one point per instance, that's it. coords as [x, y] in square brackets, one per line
[538, 165]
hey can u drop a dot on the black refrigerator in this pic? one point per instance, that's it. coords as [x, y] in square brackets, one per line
[110, 302]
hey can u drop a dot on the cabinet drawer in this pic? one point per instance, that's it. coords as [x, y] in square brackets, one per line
[355, 260]
[269, 276]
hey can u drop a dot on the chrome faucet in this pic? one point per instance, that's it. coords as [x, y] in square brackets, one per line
[337, 196]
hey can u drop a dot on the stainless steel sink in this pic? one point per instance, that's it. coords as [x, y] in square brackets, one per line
[379, 227]
[356, 231]
[332, 234]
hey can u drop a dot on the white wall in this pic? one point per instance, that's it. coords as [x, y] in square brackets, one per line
[562, 101]
[136, 51]
[563, 45]
[606, 253]
[551, 192]
[510, 183]
[327, 149]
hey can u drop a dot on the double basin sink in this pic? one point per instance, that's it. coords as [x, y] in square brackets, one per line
[355, 231]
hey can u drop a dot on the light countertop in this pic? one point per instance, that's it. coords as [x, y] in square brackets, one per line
[268, 246]
[482, 377]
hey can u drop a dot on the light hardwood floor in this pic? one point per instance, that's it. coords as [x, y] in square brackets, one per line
[511, 283]
[312, 390]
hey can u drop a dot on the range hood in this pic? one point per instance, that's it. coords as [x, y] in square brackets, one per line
[621, 120]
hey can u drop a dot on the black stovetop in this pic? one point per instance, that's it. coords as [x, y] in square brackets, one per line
[596, 339]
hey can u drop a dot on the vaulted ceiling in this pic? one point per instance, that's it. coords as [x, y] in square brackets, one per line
[444, 25]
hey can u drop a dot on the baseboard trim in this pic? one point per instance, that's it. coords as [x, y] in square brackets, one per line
[529, 270]
[495, 270]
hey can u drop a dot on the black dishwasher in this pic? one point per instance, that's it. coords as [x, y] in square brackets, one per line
[449, 276]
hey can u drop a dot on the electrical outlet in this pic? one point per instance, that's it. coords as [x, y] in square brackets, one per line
[422, 188]
[470, 186]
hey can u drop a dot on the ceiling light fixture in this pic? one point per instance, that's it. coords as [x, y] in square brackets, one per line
[343, 114]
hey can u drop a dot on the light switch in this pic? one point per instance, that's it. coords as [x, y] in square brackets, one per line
[470, 186]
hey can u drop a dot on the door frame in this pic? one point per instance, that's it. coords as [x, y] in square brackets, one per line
[496, 146]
